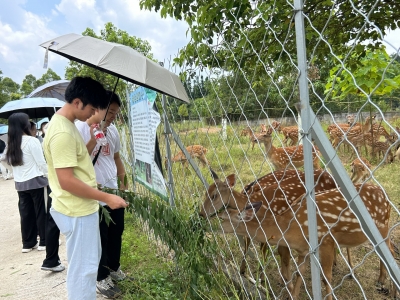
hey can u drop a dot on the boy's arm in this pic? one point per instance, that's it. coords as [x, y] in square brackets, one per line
[78, 188]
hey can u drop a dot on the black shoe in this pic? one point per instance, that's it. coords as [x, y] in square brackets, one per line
[108, 289]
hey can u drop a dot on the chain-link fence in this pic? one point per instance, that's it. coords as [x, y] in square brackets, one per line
[292, 134]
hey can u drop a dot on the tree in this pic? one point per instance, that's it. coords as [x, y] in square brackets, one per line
[183, 111]
[9, 86]
[234, 35]
[47, 77]
[28, 85]
[376, 75]
[3, 95]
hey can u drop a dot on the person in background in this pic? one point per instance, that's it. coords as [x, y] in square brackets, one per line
[4, 167]
[25, 155]
[74, 188]
[43, 127]
[109, 168]
[34, 132]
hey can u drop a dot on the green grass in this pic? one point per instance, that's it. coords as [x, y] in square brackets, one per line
[154, 276]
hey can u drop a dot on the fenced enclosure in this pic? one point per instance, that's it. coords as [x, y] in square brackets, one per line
[294, 110]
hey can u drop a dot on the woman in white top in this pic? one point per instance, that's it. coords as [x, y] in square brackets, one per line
[24, 154]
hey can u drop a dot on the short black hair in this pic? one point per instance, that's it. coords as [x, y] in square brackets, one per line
[113, 98]
[88, 90]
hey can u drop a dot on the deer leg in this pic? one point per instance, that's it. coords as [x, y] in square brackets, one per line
[284, 253]
[383, 272]
[301, 265]
[203, 160]
[263, 249]
[349, 260]
[243, 265]
[326, 256]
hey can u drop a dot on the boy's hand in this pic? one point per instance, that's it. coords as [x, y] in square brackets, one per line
[114, 202]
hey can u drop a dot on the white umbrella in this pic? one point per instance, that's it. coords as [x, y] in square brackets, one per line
[118, 60]
[34, 107]
[3, 129]
[54, 89]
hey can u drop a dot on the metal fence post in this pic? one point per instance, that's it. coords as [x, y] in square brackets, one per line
[307, 148]
[167, 132]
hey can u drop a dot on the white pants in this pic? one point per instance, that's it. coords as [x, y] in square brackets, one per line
[83, 252]
[6, 170]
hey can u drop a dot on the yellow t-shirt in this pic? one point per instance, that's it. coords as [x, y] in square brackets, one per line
[64, 148]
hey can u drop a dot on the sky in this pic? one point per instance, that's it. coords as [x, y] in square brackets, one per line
[24, 24]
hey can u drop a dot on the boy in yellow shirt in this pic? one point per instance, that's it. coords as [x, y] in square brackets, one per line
[72, 180]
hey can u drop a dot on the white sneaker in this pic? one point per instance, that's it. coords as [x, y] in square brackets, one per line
[26, 250]
[41, 248]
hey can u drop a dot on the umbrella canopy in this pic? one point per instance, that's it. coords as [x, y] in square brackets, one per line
[40, 122]
[3, 129]
[34, 107]
[118, 60]
[54, 89]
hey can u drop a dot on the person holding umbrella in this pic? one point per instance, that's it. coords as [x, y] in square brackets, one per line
[109, 168]
[74, 188]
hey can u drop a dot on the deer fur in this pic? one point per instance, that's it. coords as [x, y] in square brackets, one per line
[333, 209]
[277, 190]
[194, 151]
[360, 170]
[287, 157]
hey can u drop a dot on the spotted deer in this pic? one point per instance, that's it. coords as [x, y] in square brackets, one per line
[378, 130]
[360, 170]
[291, 134]
[343, 126]
[263, 128]
[246, 131]
[277, 190]
[287, 157]
[381, 148]
[194, 151]
[276, 126]
[378, 147]
[335, 221]
[352, 131]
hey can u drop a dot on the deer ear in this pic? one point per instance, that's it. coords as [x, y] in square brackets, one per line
[250, 211]
[214, 175]
[231, 180]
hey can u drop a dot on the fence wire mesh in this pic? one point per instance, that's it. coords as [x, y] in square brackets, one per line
[245, 71]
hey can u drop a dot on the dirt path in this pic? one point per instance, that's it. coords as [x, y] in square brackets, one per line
[20, 273]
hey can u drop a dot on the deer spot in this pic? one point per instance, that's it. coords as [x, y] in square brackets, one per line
[329, 216]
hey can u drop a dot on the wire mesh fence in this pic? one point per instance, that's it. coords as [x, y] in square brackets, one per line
[311, 192]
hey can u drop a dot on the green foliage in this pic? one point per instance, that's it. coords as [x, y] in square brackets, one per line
[377, 74]
[47, 77]
[248, 38]
[182, 233]
[183, 111]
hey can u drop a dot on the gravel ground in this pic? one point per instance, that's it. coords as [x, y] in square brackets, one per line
[20, 273]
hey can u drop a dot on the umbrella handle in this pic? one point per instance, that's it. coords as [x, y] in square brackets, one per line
[108, 106]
